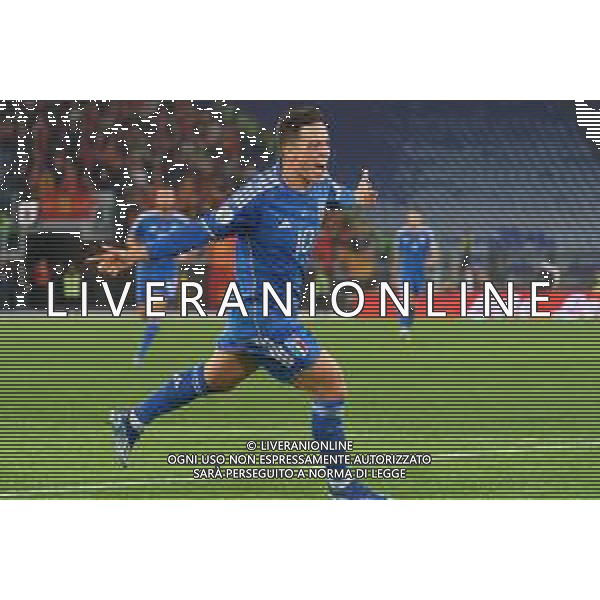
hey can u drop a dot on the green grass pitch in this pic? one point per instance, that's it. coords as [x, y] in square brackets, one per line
[508, 409]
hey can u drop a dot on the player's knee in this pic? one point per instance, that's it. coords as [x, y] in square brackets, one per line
[217, 381]
[327, 382]
[219, 385]
[333, 381]
[335, 388]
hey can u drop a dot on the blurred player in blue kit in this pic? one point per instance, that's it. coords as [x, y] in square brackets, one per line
[162, 220]
[275, 217]
[413, 252]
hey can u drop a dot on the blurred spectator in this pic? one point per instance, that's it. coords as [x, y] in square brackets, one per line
[8, 286]
[4, 231]
[41, 275]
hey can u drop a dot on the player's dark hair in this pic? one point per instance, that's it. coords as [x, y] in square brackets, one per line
[290, 124]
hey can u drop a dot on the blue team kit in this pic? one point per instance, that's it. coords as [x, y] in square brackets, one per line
[275, 229]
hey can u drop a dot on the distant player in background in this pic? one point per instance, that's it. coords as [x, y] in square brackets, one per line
[414, 251]
[149, 227]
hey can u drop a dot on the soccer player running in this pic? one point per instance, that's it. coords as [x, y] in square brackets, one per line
[161, 220]
[414, 251]
[275, 218]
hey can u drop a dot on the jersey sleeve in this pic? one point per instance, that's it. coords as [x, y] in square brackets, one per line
[237, 215]
[185, 236]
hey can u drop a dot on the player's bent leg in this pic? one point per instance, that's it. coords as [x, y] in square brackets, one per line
[151, 329]
[406, 324]
[222, 372]
[324, 380]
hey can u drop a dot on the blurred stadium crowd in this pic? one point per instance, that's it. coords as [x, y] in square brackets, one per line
[74, 174]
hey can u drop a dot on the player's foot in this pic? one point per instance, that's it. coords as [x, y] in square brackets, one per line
[138, 361]
[355, 490]
[405, 334]
[125, 435]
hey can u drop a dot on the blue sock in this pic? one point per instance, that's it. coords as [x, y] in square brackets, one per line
[327, 420]
[150, 333]
[328, 425]
[407, 322]
[178, 391]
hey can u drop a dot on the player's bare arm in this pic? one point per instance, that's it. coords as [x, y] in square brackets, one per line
[112, 260]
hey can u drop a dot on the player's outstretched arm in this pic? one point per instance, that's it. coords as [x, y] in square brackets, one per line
[187, 236]
[112, 260]
[231, 216]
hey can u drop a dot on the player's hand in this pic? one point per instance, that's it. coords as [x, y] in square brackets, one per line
[365, 192]
[112, 260]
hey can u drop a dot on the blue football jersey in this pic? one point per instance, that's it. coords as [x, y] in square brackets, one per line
[275, 228]
[150, 226]
[413, 246]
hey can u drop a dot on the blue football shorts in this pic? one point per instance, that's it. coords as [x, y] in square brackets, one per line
[283, 350]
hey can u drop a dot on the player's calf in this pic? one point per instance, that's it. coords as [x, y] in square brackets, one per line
[220, 373]
[325, 381]
[406, 324]
[129, 424]
[328, 426]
